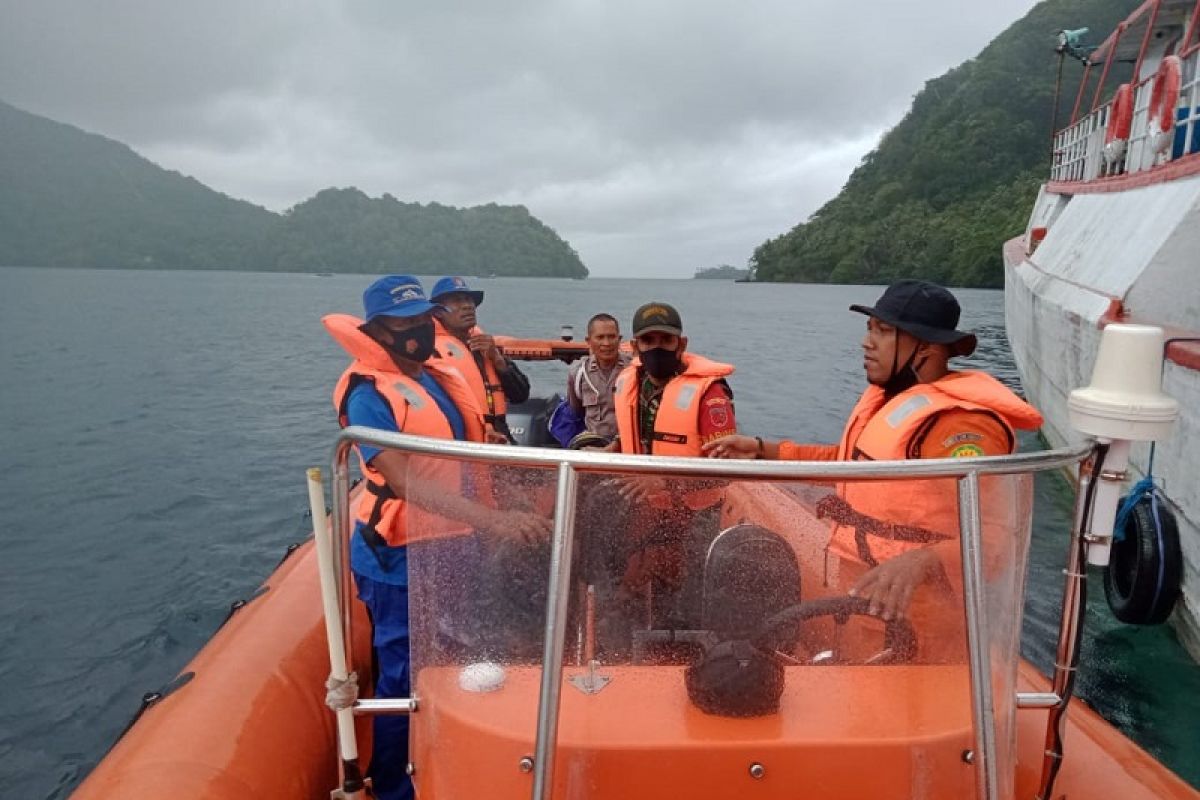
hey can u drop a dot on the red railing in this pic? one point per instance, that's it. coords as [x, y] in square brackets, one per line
[1079, 149]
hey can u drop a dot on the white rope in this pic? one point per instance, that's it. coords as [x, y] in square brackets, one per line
[341, 694]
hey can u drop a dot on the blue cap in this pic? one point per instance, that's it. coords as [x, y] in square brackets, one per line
[453, 284]
[396, 296]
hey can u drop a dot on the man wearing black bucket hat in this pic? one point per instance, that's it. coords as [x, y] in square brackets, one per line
[899, 535]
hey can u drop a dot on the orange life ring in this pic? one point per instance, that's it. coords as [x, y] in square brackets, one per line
[1164, 95]
[1120, 116]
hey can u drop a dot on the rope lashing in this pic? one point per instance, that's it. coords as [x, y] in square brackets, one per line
[341, 694]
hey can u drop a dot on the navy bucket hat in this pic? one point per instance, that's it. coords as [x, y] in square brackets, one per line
[453, 284]
[926, 310]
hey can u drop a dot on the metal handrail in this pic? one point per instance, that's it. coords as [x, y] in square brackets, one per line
[570, 463]
[584, 461]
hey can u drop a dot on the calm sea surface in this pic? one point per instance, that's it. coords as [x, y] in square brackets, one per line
[155, 428]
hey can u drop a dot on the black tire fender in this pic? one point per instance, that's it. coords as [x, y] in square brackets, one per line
[1142, 579]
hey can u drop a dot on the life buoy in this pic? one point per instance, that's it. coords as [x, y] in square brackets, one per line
[1143, 575]
[1164, 97]
[1120, 121]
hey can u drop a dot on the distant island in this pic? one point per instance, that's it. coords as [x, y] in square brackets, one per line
[76, 199]
[724, 272]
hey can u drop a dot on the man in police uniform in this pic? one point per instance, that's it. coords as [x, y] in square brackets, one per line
[915, 406]
[592, 379]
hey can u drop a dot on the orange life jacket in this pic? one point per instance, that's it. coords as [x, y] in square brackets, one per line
[677, 424]
[891, 431]
[489, 394]
[387, 518]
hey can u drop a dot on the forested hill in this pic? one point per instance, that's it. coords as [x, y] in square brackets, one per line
[70, 198]
[957, 176]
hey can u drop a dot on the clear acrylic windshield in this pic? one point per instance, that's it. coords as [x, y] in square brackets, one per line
[722, 637]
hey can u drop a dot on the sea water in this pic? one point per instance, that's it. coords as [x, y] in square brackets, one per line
[155, 427]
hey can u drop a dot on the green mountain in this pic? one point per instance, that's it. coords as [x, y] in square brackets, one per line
[958, 175]
[343, 230]
[71, 198]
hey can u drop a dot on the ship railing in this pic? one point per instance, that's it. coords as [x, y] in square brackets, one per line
[570, 465]
[1079, 148]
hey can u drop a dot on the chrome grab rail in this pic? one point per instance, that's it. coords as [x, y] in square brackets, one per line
[569, 463]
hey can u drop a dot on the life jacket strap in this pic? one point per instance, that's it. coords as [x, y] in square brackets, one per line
[383, 492]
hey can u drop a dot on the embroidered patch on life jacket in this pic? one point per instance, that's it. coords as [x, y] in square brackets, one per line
[906, 408]
[966, 451]
[686, 395]
[670, 438]
[959, 438]
[415, 401]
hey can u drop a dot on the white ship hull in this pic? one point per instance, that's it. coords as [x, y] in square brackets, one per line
[1131, 255]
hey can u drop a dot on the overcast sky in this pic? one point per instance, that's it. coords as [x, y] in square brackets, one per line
[656, 136]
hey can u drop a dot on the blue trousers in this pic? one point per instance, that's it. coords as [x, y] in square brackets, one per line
[388, 607]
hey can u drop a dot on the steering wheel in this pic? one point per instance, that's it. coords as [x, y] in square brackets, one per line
[899, 638]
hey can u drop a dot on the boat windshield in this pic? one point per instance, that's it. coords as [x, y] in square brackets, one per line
[713, 634]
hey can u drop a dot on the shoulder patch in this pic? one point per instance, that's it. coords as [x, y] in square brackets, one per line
[968, 450]
[718, 416]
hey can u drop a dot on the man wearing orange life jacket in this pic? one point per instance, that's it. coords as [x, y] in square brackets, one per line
[430, 503]
[914, 407]
[670, 402]
[495, 380]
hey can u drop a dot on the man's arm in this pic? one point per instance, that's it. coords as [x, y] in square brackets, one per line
[717, 419]
[952, 434]
[573, 398]
[367, 407]
[513, 381]
[432, 496]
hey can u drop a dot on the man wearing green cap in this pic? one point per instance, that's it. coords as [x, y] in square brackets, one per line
[669, 402]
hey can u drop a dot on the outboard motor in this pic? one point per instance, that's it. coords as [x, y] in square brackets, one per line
[529, 421]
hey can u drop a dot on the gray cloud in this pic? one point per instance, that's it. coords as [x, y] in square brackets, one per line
[656, 137]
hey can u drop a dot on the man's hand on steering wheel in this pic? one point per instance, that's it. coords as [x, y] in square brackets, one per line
[889, 587]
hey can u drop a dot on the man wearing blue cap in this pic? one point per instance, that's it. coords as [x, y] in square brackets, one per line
[495, 380]
[433, 504]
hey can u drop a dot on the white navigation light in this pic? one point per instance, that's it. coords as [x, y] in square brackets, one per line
[482, 676]
[1124, 403]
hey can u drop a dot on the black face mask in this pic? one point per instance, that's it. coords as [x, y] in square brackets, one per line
[414, 344]
[660, 364]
